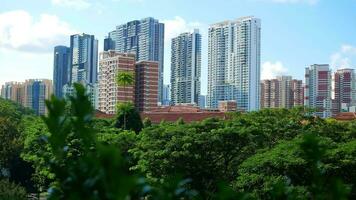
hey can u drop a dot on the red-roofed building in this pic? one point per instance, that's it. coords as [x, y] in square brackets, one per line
[188, 113]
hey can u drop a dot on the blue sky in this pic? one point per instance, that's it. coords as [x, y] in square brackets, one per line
[295, 33]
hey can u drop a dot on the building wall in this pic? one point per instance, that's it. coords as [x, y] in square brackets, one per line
[317, 92]
[110, 64]
[143, 37]
[186, 68]
[234, 63]
[146, 85]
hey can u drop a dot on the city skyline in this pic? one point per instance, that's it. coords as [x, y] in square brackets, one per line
[327, 38]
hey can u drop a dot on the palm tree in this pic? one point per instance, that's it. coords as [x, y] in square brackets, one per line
[124, 79]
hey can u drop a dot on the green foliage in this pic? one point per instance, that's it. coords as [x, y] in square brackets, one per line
[11, 144]
[147, 122]
[37, 150]
[128, 118]
[11, 191]
[125, 78]
[269, 154]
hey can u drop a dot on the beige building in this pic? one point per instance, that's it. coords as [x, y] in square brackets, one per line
[110, 64]
[281, 92]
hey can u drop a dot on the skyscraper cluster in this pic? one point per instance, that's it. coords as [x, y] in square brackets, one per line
[234, 59]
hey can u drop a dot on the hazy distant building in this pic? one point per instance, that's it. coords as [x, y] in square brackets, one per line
[317, 92]
[227, 106]
[146, 85]
[234, 63]
[186, 68]
[12, 91]
[202, 101]
[166, 95]
[61, 69]
[281, 92]
[144, 38]
[35, 92]
[110, 64]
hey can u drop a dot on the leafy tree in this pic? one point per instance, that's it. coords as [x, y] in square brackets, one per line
[292, 170]
[11, 145]
[11, 191]
[128, 118]
[147, 122]
[97, 172]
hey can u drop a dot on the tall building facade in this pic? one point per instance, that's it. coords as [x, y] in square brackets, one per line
[61, 69]
[146, 85]
[144, 38]
[317, 92]
[35, 93]
[84, 58]
[281, 92]
[234, 63]
[344, 90]
[186, 68]
[297, 90]
[110, 64]
[270, 95]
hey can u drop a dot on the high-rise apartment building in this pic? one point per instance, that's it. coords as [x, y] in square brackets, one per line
[61, 69]
[146, 85]
[186, 68]
[144, 38]
[83, 66]
[110, 65]
[281, 92]
[35, 92]
[84, 58]
[297, 90]
[234, 63]
[270, 94]
[317, 92]
[344, 90]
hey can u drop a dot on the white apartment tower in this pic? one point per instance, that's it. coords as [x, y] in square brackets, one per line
[234, 63]
[186, 68]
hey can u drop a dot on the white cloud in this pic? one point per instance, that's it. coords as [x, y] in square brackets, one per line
[271, 70]
[19, 31]
[344, 58]
[310, 2]
[178, 25]
[76, 4]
